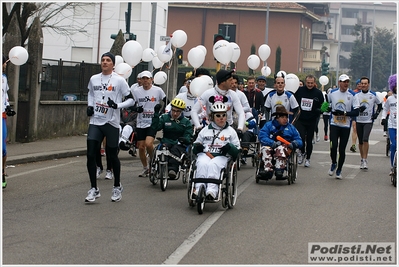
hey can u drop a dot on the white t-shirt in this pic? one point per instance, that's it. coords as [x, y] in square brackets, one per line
[287, 100]
[343, 101]
[369, 100]
[148, 100]
[101, 87]
[391, 107]
[4, 93]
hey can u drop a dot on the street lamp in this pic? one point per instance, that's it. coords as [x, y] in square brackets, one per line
[372, 45]
[393, 42]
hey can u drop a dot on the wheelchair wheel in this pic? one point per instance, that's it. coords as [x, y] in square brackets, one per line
[190, 186]
[256, 160]
[154, 169]
[394, 173]
[201, 200]
[162, 177]
[238, 161]
[292, 167]
[388, 147]
[231, 185]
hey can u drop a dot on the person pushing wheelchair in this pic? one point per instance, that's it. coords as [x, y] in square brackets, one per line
[273, 149]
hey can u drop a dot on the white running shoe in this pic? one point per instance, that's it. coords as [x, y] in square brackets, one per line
[92, 194]
[307, 163]
[117, 193]
[317, 138]
[99, 172]
[365, 164]
[300, 157]
[361, 164]
[109, 175]
[144, 173]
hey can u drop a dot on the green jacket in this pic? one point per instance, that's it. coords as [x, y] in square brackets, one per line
[172, 129]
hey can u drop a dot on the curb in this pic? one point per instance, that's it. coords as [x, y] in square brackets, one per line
[14, 160]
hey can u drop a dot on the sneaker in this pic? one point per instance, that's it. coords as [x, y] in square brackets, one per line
[385, 134]
[99, 172]
[117, 193]
[102, 151]
[300, 158]
[92, 194]
[317, 138]
[365, 164]
[144, 173]
[244, 161]
[338, 175]
[172, 174]
[353, 148]
[332, 169]
[313, 142]
[280, 174]
[326, 138]
[307, 163]
[4, 184]
[109, 175]
[361, 164]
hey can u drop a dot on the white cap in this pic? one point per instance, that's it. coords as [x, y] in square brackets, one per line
[146, 73]
[343, 77]
[139, 75]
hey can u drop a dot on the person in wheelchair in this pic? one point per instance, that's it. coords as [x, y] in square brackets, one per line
[213, 144]
[177, 132]
[249, 135]
[272, 149]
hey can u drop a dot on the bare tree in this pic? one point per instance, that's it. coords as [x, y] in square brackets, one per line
[54, 15]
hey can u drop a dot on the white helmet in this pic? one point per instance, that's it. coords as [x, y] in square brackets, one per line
[218, 107]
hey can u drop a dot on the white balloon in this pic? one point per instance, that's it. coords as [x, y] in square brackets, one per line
[281, 73]
[148, 54]
[164, 56]
[264, 52]
[198, 86]
[132, 52]
[179, 38]
[123, 69]
[196, 57]
[266, 71]
[323, 80]
[160, 77]
[208, 81]
[253, 62]
[156, 62]
[236, 52]
[291, 82]
[222, 51]
[118, 60]
[203, 48]
[18, 55]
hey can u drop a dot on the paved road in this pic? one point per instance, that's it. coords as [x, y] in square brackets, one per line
[45, 219]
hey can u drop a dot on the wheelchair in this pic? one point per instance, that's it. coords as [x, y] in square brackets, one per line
[159, 165]
[394, 173]
[291, 168]
[253, 151]
[227, 187]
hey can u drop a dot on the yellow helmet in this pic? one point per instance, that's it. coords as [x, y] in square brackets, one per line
[178, 103]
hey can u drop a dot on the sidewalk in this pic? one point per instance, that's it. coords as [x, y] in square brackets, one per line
[71, 146]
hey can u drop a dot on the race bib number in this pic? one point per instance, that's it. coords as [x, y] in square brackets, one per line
[213, 149]
[101, 112]
[306, 104]
[340, 120]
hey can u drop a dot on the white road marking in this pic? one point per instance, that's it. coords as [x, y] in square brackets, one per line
[190, 242]
[41, 169]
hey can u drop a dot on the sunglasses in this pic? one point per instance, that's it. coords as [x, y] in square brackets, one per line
[220, 115]
[177, 110]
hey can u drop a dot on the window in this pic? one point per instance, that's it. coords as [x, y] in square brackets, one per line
[81, 54]
[228, 30]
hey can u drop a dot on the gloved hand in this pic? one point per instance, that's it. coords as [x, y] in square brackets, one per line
[324, 107]
[199, 147]
[10, 111]
[246, 123]
[338, 112]
[293, 145]
[362, 108]
[138, 109]
[239, 133]
[157, 108]
[197, 130]
[383, 121]
[225, 149]
[111, 103]
[90, 111]
[183, 140]
[276, 144]
[375, 115]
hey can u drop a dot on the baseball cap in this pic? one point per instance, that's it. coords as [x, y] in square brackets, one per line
[343, 77]
[146, 73]
[261, 78]
[223, 75]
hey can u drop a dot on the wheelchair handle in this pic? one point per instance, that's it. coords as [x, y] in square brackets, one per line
[282, 140]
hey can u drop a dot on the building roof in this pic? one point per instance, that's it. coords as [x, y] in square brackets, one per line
[285, 7]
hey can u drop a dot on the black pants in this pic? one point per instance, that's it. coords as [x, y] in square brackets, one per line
[339, 137]
[247, 137]
[177, 150]
[326, 120]
[306, 131]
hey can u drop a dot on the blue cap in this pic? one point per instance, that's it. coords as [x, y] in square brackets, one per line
[261, 78]
[357, 81]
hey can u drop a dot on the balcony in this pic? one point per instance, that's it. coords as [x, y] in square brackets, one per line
[311, 56]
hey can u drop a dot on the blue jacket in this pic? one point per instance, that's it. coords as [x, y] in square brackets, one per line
[269, 132]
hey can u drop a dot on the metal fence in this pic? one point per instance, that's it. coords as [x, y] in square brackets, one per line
[62, 78]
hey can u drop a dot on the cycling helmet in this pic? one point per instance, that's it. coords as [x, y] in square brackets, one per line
[178, 103]
[218, 107]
